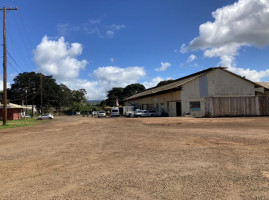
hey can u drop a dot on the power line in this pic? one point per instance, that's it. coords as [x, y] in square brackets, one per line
[14, 61]
[12, 67]
[20, 53]
[28, 95]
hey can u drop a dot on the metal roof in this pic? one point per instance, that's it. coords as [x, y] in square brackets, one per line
[12, 105]
[264, 84]
[176, 84]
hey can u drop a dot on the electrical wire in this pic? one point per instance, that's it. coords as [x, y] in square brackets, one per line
[28, 95]
[14, 61]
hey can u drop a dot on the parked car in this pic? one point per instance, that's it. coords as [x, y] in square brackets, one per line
[148, 113]
[101, 114]
[94, 113]
[26, 116]
[45, 116]
[138, 113]
[129, 113]
[85, 114]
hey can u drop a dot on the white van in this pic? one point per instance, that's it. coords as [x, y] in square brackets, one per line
[115, 112]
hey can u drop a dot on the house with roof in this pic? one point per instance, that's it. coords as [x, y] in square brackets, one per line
[211, 92]
[14, 111]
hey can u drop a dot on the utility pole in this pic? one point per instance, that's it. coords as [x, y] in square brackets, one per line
[41, 100]
[5, 64]
[26, 90]
[33, 103]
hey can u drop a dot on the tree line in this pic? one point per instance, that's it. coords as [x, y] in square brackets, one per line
[26, 90]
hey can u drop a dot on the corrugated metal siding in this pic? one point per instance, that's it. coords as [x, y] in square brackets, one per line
[236, 106]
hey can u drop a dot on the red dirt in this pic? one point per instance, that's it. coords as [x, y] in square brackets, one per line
[146, 158]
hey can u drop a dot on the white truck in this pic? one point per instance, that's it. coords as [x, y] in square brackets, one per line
[115, 112]
[128, 111]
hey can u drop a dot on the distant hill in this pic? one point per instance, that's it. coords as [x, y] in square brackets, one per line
[94, 101]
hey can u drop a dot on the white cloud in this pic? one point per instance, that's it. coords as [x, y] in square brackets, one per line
[191, 58]
[153, 82]
[95, 91]
[117, 27]
[59, 58]
[253, 75]
[63, 29]
[244, 23]
[183, 48]
[95, 21]
[226, 53]
[112, 60]
[91, 27]
[163, 67]
[106, 78]
[113, 76]
[1, 85]
[110, 33]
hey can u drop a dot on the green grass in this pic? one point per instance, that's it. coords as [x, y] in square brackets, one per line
[21, 123]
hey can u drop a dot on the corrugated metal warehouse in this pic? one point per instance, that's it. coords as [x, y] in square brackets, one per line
[211, 92]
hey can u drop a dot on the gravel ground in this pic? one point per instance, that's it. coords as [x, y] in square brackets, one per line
[145, 158]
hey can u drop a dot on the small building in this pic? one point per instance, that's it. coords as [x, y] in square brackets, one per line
[14, 111]
[265, 85]
[28, 109]
[211, 92]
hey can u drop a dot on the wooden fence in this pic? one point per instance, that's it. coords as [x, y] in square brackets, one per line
[236, 106]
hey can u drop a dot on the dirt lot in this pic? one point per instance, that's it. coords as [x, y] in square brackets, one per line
[146, 158]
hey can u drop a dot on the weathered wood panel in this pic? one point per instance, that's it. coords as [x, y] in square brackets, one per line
[264, 105]
[237, 106]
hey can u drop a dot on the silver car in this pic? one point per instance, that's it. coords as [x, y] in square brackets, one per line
[101, 114]
[138, 113]
[45, 116]
[148, 113]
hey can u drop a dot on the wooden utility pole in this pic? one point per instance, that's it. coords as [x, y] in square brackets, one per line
[26, 90]
[33, 102]
[41, 99]
[5, 65]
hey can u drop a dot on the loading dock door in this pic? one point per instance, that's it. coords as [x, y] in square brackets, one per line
[178, 107]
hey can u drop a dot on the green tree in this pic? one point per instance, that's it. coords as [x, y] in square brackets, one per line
[79, 96]
[161, 83]
[118, 93]
[114, 94]
[27, 86]
[66, 96]
[53, 95]
[132, 89]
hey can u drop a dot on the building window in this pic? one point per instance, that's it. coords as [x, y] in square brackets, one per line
[195, 106]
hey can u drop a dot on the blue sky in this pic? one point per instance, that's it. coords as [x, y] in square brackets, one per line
[102, 44]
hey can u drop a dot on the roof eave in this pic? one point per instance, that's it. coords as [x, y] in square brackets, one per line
[154, 93]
